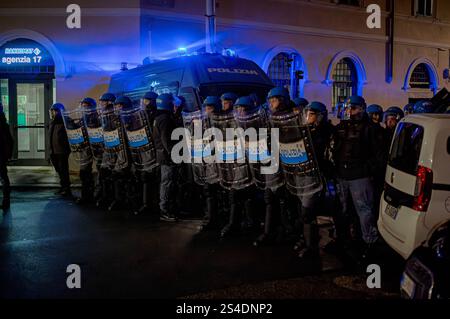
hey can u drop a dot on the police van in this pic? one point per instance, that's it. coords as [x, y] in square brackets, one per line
[194, 77]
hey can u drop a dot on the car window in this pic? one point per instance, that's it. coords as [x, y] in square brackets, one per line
[406, 148]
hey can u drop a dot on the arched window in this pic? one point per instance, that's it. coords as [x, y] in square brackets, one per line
[345, 80]
[420, 78]
[285, 70]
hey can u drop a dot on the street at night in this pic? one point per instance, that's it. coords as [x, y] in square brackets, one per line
[220, 158]
[131, 257]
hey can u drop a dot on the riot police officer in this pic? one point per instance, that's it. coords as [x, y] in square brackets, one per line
[355, 155]
[269, 184]
[116, 154]
[210, 174]
[235, 175]
[104, 177]
[375, 113]
[316, 118]
[86, 175]
[163, 126]
[392, 116]
[149, 177]
[59, 148]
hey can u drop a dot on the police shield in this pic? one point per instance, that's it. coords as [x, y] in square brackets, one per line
[234, 171]
[94, 130]
[201, 148]
[297, 158]
[140, 142]
[77, 136]
[115, 156]
[257, 139]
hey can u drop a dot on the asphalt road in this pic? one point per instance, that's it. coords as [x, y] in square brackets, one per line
[135, 258]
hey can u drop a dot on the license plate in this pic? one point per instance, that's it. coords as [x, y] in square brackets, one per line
[391, 211]
[408, 285]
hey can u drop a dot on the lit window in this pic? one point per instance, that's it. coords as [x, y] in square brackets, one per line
[420, 77]
[345, 81]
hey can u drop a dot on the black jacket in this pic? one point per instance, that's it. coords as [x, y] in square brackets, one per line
[58, 141]
[163, 126]
[6, 141]
[321, 139]
[356, 150]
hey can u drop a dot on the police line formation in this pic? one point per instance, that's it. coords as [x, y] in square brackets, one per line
[321, 166]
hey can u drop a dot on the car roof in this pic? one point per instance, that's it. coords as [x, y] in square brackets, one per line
[427, 119]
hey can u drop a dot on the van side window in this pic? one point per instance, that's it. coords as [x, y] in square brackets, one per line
[406, 148]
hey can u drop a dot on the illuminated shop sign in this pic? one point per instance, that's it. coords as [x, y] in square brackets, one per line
[24, 52]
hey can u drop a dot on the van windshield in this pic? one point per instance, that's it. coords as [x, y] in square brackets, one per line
[405, 151]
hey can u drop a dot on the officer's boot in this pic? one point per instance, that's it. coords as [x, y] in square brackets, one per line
[311, 235]
[210, 221]
[117, 202]
[231, 226]
[300, 244]
[145, 208]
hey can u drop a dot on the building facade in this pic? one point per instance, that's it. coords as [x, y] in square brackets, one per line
[320, 49]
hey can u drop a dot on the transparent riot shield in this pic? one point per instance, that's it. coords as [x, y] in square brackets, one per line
[140, 141]
[77, 136]
[115, 156]
[234, 170]
[297, 158]
[94, 130]
[204, 167]
[257, 141]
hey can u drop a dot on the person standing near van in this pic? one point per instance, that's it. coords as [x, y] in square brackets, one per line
[355, 152]
[6, 150]
[163, 126]
[59, 148]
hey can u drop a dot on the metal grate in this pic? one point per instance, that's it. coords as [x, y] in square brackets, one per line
[344, 81]
[420, 77]
[281, 70]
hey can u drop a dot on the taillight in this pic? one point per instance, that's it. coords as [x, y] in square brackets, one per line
[424, 186]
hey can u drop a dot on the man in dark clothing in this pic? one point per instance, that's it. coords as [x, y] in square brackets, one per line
[163, 126]
[357, 155]
[59, 148]
[6, 150]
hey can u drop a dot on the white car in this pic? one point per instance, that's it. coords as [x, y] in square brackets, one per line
[416, 198]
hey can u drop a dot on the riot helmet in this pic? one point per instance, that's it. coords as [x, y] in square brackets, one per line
[354, 108]
[392, 116]
[278, 99]
[375, 113]
[315, 113]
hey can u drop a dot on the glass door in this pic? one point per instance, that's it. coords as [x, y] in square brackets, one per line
[30, 120]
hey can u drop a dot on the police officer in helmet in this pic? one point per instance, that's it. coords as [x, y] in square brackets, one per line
[86, 176]
[163, 126]
[355, 154]
[392, 116]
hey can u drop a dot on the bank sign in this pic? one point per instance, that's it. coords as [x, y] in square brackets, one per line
[24, 52]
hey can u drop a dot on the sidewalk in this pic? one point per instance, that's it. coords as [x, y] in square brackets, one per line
[37, 176]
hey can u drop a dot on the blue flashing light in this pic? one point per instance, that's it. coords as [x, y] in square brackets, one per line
[182, 51]
[229, 52]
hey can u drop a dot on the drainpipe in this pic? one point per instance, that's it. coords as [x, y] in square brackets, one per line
[390, 43]
[210, 19]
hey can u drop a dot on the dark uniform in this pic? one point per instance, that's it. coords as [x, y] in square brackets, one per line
[60, 149]
[6, 150]
[163, 126]
[356, 155]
